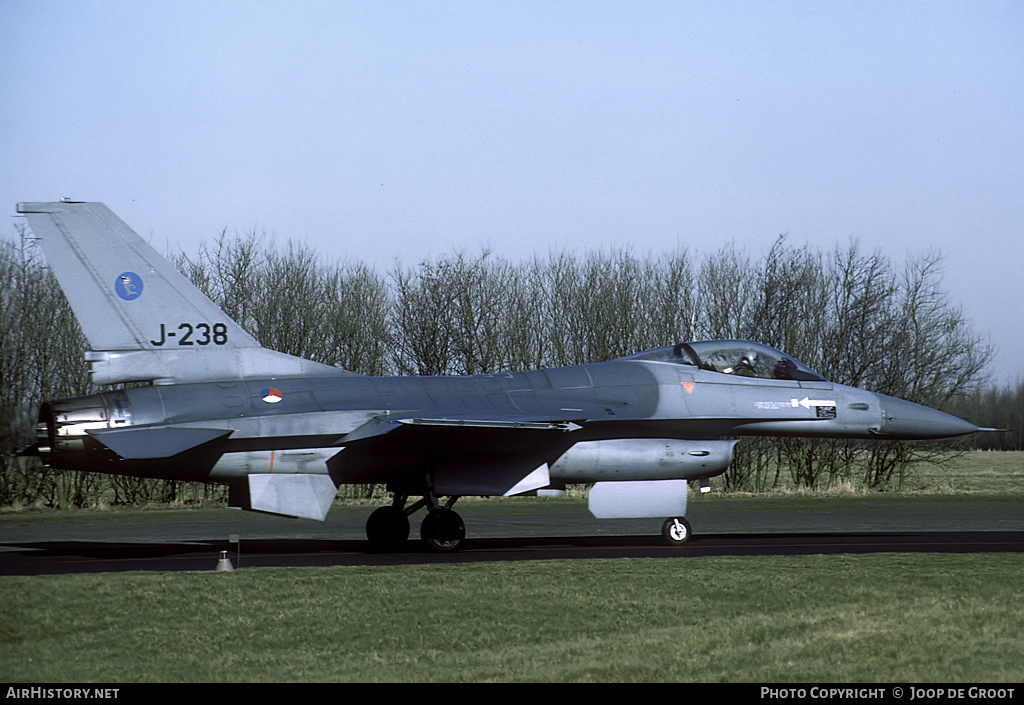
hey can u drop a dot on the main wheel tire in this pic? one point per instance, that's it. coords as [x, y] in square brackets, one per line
[443, 530]
[676, 531]
[387, 529]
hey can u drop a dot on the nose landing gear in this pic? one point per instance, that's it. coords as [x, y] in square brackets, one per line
[676, 531]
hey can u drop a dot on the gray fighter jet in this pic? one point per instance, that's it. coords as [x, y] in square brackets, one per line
[283, 432]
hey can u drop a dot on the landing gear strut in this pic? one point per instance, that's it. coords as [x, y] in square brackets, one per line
[442, 529]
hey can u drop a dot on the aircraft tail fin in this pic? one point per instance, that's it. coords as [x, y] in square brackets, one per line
[144, 320]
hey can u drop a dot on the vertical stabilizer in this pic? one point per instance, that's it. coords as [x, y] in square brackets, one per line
[144, 320]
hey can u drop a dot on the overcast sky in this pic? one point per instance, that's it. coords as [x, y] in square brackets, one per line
[406, 129]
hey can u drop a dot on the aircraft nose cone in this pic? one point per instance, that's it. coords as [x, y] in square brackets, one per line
[904, 420]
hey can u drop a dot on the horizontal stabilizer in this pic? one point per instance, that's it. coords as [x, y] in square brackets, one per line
[143, 443]
[301, 496]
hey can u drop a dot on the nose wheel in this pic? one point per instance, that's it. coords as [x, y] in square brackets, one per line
[676, 531]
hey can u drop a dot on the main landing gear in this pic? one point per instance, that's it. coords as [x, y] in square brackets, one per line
[442, 529]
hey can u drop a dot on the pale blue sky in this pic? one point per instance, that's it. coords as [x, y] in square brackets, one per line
[376, 130]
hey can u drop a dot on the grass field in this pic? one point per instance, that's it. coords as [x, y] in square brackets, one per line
[978, 472]
[901, 618]
[878, 618]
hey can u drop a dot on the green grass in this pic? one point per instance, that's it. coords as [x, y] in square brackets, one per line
[901, 618]
[977, 473]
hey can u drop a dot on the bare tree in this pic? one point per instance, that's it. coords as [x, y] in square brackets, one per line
[41, 357]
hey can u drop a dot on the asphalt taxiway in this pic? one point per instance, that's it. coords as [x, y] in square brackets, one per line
[503, 530]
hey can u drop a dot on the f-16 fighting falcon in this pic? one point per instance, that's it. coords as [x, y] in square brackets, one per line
[284, 432]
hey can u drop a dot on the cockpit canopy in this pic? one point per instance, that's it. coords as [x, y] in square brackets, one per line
[735, 357]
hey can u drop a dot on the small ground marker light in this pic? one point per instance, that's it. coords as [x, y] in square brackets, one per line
[224, 563]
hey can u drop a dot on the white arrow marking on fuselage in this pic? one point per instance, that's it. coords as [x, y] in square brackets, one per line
[808, 403]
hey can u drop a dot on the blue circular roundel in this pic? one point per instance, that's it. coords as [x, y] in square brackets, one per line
[128, 286]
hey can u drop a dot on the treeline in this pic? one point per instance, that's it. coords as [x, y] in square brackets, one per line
[1000, 407]
[858, 318]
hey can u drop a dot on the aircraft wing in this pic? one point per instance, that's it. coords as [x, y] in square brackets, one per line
[549, 411]
[382, 425]
[468, 453]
